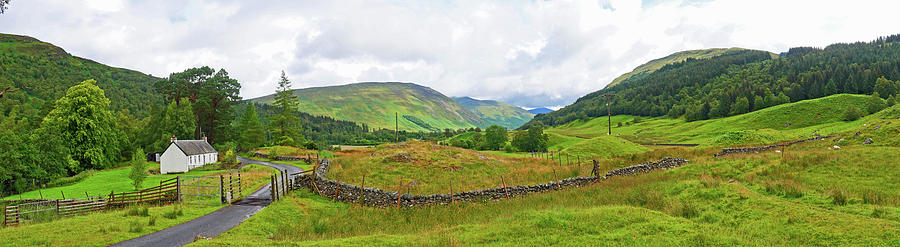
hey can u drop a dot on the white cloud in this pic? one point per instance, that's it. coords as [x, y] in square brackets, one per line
[541, 53]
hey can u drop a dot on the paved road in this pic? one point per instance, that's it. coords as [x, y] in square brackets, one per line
[215, 223]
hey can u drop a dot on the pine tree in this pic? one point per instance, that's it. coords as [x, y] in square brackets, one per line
[285, 124]
[253, 134]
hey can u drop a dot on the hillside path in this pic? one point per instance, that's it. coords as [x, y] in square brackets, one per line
[215, 223]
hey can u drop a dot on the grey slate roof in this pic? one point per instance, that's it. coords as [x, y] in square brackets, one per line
[193, 147]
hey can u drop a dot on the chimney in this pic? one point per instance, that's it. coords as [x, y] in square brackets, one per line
[204, 139]
[173, 139]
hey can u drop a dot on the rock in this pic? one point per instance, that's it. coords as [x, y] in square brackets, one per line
[857, 133]
[787, 124]
[868, 141]
[778, 151]
[837, 147]
[731, 181]
[876, 127]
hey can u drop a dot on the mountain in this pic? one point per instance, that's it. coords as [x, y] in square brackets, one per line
[741, 81]
[541, 110]
[496, 112]
[375, 103]
[42, 72]
[677, 57]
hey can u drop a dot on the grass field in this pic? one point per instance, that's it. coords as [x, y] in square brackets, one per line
[811, 194]
[99, 229]
[758, 199]
[102, 183]
[429, 168]
[105, 228]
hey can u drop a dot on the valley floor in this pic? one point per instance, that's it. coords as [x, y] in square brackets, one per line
[810, 195]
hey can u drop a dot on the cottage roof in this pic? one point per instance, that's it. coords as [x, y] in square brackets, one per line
[194, 147]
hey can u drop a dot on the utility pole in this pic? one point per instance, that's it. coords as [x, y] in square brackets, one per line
[397, 126]
[608, 115]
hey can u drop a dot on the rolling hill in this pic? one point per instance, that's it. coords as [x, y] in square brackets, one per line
[496, 112]
[42, 72]
[375, 103]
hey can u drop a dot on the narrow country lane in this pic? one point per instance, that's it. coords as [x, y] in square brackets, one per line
[215, 223]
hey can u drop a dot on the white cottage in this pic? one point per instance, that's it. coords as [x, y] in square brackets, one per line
[184, 155]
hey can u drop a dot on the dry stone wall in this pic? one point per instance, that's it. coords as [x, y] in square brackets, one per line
[283, 158]
[351, 193]
[730, 151]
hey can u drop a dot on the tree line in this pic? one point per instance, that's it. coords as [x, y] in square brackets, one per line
[741, 81]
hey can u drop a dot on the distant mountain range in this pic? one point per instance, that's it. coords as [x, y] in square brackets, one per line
[496, 112]
[419, 108]
[540, 110]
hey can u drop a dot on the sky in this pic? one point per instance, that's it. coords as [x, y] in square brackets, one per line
[528, 53]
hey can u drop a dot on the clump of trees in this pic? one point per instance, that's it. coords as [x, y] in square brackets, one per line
[138, 168]
[531, 140]
[494, 137]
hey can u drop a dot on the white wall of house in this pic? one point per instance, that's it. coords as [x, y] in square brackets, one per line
[173, 160]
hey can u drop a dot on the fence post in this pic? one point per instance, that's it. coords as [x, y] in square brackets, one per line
[222, 189]
[399, 193]
[505, 189]
[272, 187]
[178, 188]
[361, 189]
[63, 194]
[557, 180]
[451, 190]
[57, 208]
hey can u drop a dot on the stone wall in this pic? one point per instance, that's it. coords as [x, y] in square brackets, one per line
[283, 158]
[351, 193]
[730, 151]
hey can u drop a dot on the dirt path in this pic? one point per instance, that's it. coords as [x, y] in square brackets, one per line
[215, 223]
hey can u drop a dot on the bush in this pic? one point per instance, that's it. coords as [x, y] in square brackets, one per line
[852, 113]
[138, 211]
[874, 103]
[152, 221]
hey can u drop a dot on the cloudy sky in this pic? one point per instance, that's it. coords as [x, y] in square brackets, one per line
[529, 53]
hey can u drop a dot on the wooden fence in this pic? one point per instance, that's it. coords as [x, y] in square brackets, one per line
[228, 189]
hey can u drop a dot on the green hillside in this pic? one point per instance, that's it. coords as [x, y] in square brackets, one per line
[495, 112]
[740, 81]
[375, 103]
[677, 57]
[778, 123]
[42, 72]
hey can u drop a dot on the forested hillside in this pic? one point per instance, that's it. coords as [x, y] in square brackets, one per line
[738, 82]
[656, 64]
[495, 112]
[41, 72]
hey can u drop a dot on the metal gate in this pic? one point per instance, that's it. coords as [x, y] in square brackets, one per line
[209, 190]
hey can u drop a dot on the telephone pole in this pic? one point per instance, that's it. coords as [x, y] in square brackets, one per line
[608, 115]
[397, 126]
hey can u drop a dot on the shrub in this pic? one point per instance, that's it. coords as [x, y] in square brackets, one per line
[176, 211]
[852, 113]
[838, 196]
[152, 221]
[874, 103]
